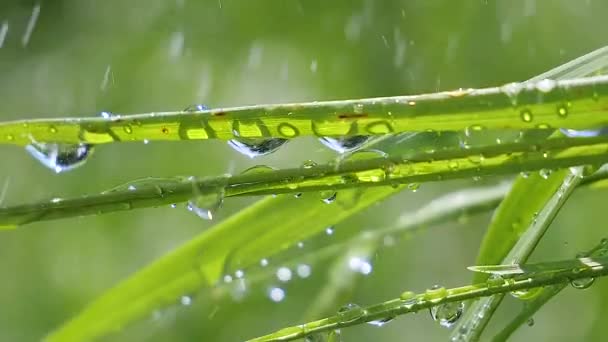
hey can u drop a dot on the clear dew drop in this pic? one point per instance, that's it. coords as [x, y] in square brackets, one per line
[308, 164]
[329, 230]
[329, 196]
[276, 294]
[196, 108]
[527, 294]
[526, 115]
[562, 111]
[350, 312]
[264, 262]
[546, 85]
[447, 314]
[284, 274]
[344, 144]
[258, 169]
[60, 157]
[256, 147]
[582, 283]
[303, 270]
[381, 322]
[186, 300]
[545, 173]
[530, 322]
[205, 205]
[572, 133]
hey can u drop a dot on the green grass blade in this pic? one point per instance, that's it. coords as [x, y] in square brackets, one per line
[516, 215]
[417, 166]
[575, 103]
[229, 246]
[410, 302]
[530, 307]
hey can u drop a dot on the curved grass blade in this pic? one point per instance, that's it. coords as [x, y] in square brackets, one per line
[516, 215]
[532, 306]
[410, 302]
[242, 240]
[574, 103]
[416, 166]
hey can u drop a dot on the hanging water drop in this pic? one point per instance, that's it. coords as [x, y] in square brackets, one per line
[344, 144]
[572, 133]
[256, 147]
[447, 314]
[381, 322]
[350, 312]
[206, 204]
[328, 196]
[527, 294]
[582, 283]
[60, 157]
[545, 173]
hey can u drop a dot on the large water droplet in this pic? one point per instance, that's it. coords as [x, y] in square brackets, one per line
[328, 196]
[344, 144]
[350, 312]
[582, 283]
[381, 322]
[447, 314]
[527, 294]
[205, 205]
[284, 274]
[256, 147]
[60, 157]
[572, 133]
[276, 294]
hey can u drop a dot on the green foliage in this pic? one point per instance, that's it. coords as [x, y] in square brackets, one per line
[75, 249]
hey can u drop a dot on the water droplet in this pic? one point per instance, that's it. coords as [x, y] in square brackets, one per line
[256, 147]
[562, 111]
[276, 294]
[413, 186]
[309, 164]
[300, 244]
[526, 115]
[527, 294]
[196, 108]
[512, 90]
[297, 195]
[283, 274]
[436, 293]
[258, 169]
[582, 283]
[52, 129]
[186, 300]
[329, 230]
[303, 270]
[264, 262]
[546, 85]
[127, 129]
[572, 133]
[530, 322]
[358, 108]
[239, 274]
[60, 157]
[361, 265]
[381, 322]
[328, 196]
[407, 295]
[447, 314]
[106, 115]
[205, 205]
[344, 144]
[525, 174]
[350, 312]
[545, 173]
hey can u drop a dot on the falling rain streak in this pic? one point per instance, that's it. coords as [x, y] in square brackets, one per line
[31, 24]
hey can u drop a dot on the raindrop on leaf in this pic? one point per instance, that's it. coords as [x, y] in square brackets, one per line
[60, 157]
[344, 144]
[447, 314]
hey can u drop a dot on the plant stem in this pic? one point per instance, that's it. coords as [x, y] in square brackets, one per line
[423, 301]
[383, 171]
[574, 103]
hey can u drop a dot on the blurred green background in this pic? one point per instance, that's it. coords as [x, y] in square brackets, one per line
[84, 56]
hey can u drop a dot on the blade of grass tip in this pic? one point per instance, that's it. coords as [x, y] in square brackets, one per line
[513, 216]
[410, 302]
[202, 261]
[491, 108]
[532, 306]
[406, 167]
